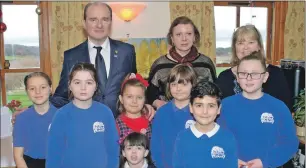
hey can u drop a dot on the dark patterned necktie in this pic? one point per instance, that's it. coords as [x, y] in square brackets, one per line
[101, 69]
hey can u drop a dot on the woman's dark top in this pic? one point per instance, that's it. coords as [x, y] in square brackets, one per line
[275, 86]
[160, 70]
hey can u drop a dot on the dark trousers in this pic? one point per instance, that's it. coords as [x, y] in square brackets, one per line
[34, 163]
[289, 164]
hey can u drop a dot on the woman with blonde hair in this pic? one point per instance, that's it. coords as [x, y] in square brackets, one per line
[247, 39]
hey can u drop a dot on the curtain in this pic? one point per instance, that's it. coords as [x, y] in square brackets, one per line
[279, 19]
[202, 14]
[294, 38]
[66, 32]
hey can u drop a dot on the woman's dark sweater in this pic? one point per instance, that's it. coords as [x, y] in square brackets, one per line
[275, 86]
[160, 70]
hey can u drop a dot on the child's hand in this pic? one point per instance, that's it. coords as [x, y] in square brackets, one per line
[241, 163]
[151, 112]
[17, 112]
[255, 163]
[158, 103]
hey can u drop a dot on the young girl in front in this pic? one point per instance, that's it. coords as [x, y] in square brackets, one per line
[173, 116]
[31, 127]
[132, 107]
[135, 152]
[83, 132]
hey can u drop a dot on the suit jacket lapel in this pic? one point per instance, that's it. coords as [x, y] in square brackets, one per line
[81, 56]
[85, 52]
[113, 56]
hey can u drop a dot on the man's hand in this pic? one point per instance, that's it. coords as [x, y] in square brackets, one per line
[241, 163]
[151, 112]
[158, 103]
[17, 112]
[255, 163]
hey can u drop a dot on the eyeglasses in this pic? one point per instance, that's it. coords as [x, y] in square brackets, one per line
[245, 75]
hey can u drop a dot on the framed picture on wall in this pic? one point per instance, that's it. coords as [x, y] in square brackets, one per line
[147, 51]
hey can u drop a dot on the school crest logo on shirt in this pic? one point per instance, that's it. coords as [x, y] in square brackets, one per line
[98, 127]
[267, 118]
[217, 152]
[189, 123]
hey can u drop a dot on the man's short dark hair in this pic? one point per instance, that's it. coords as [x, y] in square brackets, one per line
[206, 88]
[96, 3]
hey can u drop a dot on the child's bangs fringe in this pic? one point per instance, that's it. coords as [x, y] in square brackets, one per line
[135, 142]
[181, 78]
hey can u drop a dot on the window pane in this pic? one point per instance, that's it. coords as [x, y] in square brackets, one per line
[15, 89]
[225, 21]
[1, 93]
[257, 16]
[21, 39]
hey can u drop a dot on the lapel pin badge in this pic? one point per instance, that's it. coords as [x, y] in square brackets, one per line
[116, 52]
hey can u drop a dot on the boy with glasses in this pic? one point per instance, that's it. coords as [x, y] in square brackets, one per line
[262, 124]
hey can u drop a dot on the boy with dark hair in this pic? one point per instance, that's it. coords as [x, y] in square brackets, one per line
[205, 142]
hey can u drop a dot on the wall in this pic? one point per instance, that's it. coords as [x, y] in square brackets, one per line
[152, 22]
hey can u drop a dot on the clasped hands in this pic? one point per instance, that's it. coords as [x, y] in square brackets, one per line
[255, 163]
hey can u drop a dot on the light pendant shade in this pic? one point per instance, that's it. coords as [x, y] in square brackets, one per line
[127, 11]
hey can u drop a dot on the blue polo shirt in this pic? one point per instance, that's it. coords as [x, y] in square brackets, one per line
[216, 148]
[31, 131]
[168, 122]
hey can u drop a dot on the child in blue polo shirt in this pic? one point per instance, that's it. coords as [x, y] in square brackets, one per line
[173, 116]
[205, 144]
[83, 133]
[31, 127]
[262, 125]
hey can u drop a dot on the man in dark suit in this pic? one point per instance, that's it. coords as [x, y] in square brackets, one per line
[119, 58]
[115, 59]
